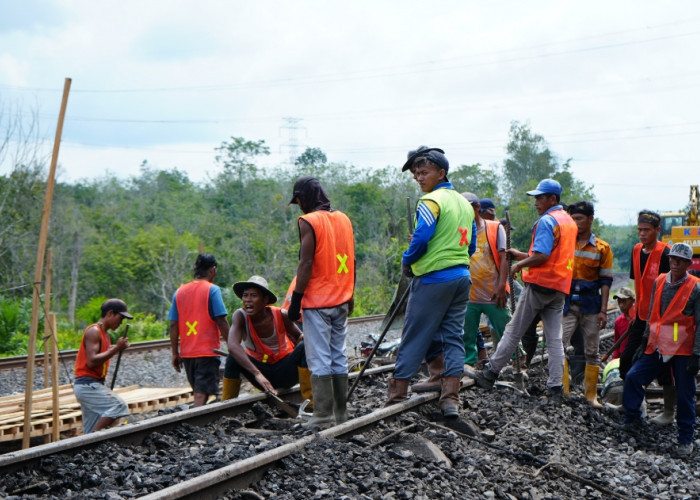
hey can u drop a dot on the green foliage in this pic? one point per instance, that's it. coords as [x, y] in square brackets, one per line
[91, 311]
[15, 317]
[621, 239]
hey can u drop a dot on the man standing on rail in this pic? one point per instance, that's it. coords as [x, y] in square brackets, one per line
[438, 259]
[547, 270]
[324, 289]
[671, 337]
[198, 322]
[649, 259]
[586, 305]
[263, 344]
[101, 408]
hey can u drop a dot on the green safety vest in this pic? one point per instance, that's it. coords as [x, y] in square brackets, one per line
[449, 246]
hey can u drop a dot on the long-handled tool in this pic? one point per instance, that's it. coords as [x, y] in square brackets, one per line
[518, 375]
[392, 315]
[119, 360]
[616, 345]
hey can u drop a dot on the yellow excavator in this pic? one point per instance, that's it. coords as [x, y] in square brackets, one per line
[682, 227]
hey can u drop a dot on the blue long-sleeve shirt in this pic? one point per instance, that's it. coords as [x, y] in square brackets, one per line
[425, 229]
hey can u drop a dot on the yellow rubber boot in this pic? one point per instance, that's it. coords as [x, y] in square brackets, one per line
[305, 385]
[232, 386]
[590, 385]
[565, 379]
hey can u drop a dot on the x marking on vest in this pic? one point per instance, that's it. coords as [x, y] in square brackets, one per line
[570, 265]
[465, 234]
[342, 267]
[192, 328]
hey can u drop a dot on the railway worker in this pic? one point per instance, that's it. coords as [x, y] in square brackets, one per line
[586, 306]
[438, 259]
[649, 259]
[489, 273]
[101, 408]
[487, 209]
[671, 337]
[263, 344]
[197, 323]
[324, 289]
[547, 270]
[625, 302]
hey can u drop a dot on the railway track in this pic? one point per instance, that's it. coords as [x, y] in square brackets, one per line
[137, 347]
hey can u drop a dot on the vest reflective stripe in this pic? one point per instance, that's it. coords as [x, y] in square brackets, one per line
[644, 281]
[674, 332]
[262, 352]
[449, 245]
[333, 274]
[557, 272]
[492, 237]
[81, 367]
[199, 334]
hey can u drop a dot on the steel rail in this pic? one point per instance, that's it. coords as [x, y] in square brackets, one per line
[135, 433]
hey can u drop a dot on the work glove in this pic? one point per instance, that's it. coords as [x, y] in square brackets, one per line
[294, 312]
[406, 270]
[693, 365]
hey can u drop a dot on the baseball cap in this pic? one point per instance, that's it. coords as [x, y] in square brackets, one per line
[299, 186]
[682, 251]
[471, 197]
[116, 305]
[547, 186]
[254, 281]
[624, 293]
[436, 155]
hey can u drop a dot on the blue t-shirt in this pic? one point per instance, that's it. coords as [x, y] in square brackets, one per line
[216, 305]
[544, 234]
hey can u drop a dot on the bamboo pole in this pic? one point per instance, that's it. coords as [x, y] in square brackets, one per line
[56, 410]
[47, 309]
[36, 300]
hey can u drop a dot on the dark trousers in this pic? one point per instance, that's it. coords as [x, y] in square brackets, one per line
[643, 372]
[633, 341]
[282, 374]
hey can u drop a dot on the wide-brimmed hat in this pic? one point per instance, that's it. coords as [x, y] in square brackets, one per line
[254, 281]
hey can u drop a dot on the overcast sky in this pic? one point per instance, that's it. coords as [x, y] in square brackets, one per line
[611, 85]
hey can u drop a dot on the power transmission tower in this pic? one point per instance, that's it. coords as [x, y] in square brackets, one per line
[292, 145]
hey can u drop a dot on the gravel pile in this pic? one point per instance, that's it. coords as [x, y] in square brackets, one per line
[525, 448]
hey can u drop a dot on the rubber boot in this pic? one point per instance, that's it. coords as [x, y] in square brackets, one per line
[590, 385]
[322, 388]
[305, 386]
[565, 379]
[340, 397]
[436, 366]
[231, 388]
[449, 399]
[666, 418]
[397, 391]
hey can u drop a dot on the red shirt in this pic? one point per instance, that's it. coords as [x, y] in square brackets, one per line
[622, 323]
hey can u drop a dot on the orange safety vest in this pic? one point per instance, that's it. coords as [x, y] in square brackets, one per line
[674, 332]
[262, 352]
[333, 275]
[557, 272]
[199, 334]
[644, 281]
[491, 229]
[81, 367]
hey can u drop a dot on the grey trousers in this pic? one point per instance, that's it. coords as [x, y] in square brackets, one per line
[550, 308]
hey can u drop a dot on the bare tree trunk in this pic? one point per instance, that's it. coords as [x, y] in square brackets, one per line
[73, 294]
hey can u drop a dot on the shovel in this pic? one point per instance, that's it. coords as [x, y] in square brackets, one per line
[275, 399]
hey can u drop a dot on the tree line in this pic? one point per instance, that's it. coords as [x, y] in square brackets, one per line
[138, 238]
